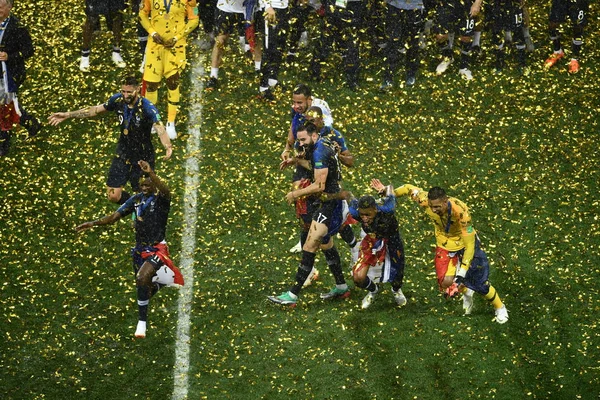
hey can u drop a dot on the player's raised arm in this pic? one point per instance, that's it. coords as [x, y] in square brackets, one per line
[87, 112]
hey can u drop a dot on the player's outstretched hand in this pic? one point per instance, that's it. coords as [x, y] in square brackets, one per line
[57, 118]
[377, 185]
[84, 226]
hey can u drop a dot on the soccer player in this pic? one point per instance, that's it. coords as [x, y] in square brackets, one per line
[302, 100]
[382, 250]
[325, 206]
[404, 24]
[342, 23]
[137, 117]
[273, 22]
[460, 263]
[577, 11]
[151, 261]
[508, 16]
[227, 19]
[15, 48]
[112, 10]
[321, 115]
[168, 24]
[452, 17]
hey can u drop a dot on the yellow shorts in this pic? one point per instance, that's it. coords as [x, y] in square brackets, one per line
[162, 62]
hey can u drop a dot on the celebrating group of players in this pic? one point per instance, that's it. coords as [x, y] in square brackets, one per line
[314, 147]
[317, 150]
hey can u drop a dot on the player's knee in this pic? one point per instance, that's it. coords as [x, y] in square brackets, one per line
[151, 86]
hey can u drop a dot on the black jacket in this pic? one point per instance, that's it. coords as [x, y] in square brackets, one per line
[16, 42]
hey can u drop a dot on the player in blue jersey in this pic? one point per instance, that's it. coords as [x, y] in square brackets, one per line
[326, 209]
[151, 261]
[137, 116]
[381, 256]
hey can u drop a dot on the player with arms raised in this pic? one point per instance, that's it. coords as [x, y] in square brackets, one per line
[151, 262]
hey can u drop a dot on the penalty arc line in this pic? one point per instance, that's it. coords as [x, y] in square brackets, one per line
[188, 239]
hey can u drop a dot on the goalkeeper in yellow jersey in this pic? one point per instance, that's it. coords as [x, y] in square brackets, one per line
[168, 23]
[460, 263]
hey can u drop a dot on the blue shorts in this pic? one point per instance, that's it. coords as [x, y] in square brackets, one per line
[330, 213]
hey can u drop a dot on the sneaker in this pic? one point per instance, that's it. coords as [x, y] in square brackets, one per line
[399, 297]
[212, 83]
[171, 130]
[297, 248]
[410, 79]
[367, 300]
[451, 291]
[501, 315]
[553, 59]
[140, 331]
[285, 298]
[336, 293]
[354, 252]
[465, 73]
[468, 301]
[117, 60]
[84, 64]
[386, 85]
[573, 66]
[312, 277]
[443, 66]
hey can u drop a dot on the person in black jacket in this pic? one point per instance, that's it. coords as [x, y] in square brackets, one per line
[15, 48]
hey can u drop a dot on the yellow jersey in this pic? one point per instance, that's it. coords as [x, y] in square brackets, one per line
[169, 18]
[453, 230]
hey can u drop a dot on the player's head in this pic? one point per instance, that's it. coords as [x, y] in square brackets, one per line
[147, 187]
[307, 135]
[367, 209]
[301, 98]
[5, 7]
[438, 200]
[315, 115]
[129, 89]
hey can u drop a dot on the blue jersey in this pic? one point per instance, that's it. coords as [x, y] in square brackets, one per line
[324, 156]
[335, 136]
[135, 141]
[384, 225]
[151, 214]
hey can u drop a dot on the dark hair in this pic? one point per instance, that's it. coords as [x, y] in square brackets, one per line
[315, 109]
[303, 89]
[436, 193]
[130, 81]
[308, 127]
[367, 202]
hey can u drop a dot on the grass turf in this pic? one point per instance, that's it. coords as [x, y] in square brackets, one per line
[521, 153]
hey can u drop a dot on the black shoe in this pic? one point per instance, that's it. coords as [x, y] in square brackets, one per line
[212, 83]
[33, 127]
[267, 95]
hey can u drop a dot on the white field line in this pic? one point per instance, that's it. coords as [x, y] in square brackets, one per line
[188, 239]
